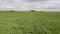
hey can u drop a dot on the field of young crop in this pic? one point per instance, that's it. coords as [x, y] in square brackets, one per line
[29, 22]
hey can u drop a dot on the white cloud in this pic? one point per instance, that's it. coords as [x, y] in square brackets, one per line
[23, 5]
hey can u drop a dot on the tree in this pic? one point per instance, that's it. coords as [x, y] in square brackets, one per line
[33, 11]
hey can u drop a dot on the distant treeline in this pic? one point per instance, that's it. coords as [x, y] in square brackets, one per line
[20, 11]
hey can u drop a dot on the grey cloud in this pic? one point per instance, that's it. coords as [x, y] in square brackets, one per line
[35, 0]
[29, 4]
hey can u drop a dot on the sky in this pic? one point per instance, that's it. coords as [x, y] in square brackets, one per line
[22, 5]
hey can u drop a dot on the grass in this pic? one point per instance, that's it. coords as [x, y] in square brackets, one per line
[29, 22]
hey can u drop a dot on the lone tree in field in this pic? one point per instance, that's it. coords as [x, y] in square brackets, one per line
[33, 11]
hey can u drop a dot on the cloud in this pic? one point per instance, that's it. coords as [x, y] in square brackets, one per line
[35, 0]
[30, 4]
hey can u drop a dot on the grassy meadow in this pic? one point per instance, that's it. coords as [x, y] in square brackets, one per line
[29, 22]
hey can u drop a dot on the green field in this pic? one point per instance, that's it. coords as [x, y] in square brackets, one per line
[29, 22]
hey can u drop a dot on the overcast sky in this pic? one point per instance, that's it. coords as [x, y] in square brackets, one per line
[30, 4]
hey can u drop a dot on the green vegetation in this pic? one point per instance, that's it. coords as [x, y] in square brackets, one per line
[29, 22]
